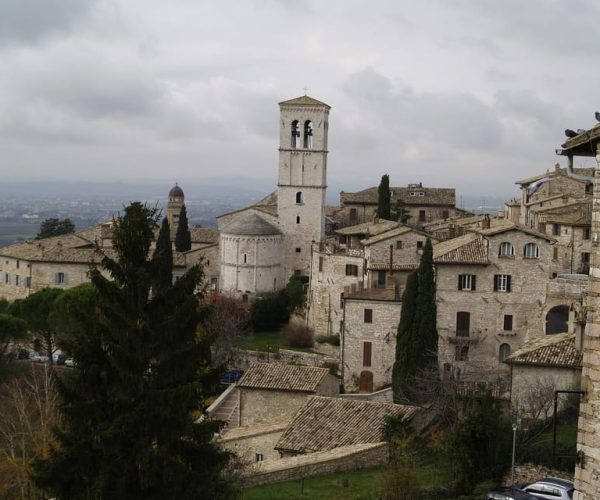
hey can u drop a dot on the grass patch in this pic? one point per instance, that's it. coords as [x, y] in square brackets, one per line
[263, 341]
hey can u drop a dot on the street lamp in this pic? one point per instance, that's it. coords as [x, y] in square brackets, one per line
[515, 426]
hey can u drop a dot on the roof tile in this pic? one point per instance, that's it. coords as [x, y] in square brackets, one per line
[282, 377]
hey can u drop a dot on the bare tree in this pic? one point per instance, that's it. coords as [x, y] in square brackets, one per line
[29, 412]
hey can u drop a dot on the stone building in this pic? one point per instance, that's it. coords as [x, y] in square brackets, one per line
[491, 288]
[274, 392]
[538, 368]
[419, 204]
[587, 471]
[368, 342]
[284, 225]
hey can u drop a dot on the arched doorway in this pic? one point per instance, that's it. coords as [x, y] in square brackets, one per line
[366, 381]
[557, 320]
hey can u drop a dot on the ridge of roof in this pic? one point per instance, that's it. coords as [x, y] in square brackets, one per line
[304, 100]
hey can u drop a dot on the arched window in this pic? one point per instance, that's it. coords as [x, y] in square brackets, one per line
[506, 249]
[299, 197]
[531, 251]
[308, 132]
[295, 134]
[557, 320]
[504, 352]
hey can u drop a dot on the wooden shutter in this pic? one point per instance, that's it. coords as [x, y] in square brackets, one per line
[368, 316]
[367, 348]
[508, 283]
[495, 282]
[473, 281]
[508, 322]
[460, 282]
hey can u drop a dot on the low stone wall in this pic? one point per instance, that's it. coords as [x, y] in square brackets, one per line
[242, 359]
[319, 463]
[383, 396]
[530, 473]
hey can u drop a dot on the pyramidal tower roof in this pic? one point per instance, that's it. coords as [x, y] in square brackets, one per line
[304, 100]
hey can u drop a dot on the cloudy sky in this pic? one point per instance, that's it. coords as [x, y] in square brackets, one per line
[472, 94]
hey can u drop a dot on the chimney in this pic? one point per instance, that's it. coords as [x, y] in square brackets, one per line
[485, 223]
[451, 231]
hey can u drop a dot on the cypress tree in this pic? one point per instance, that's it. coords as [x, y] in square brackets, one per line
[142, 373]
[405, 361]
[416, 342]
[383, 205]
[183, 239]
[163, 260]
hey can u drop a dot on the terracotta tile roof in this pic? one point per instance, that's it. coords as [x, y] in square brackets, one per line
[204, 235]
[251, 224]
[454, 221]
[253, 430]
[555, 172]
[430, 196]
[500, 226]
[392, 233]
[304, 100]
[381, 294]
[69, 248]
[467, 249]
[281, 377]
[551, 350]
[327, 423]
[369, 228]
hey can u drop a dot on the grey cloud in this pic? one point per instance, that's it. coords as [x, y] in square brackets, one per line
[33, 20]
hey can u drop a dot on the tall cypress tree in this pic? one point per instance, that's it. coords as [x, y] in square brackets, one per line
[142, 373]
[183, 239]
[163, 260]
[383, 205]
[416, 342]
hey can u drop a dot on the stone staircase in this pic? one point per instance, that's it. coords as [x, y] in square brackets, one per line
[226, 408]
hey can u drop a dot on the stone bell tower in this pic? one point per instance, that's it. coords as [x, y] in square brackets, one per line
[174, 205]
[302, 183]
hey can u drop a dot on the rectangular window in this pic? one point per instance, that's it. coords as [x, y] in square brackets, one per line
[7, 278]
[399, 245]
[508, 322]
[60, 278]
[28, 281]
[555, 229]
[467, 282]
[461, 353]
[298, 249]
[421, 215]
[351, 270]
[445, 214]
[214, 283]
[585, 257]
[259, 457]
[18, 263]
[368, 315]
[463, 324]
[17, 280]
[420, 244]
[587, 231]
[367, 348]
[341, 300]
[320, 264]
[502, 282]
[353, 216]
[555, 253]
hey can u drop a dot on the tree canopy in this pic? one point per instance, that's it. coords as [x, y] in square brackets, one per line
[142, 375]
[55, 227]
[183, 238]
[383, 192]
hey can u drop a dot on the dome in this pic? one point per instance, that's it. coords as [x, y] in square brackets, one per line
[176, 192]
[251, 225]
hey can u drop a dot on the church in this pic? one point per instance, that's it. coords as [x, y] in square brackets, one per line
[263, 245]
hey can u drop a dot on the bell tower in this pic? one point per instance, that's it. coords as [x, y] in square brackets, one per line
[302, 181]
[174, 205]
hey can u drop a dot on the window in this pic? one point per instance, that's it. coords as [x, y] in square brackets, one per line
[421, 215]
[399, 245]
[308, 135]
[461, 353]
[7, 278]
[531, 251]
[295, 134]
[299, 197]
[506, 249]
[175, 217]
[259, 457]
[445, 214]
[342, 300]
[585, 257]
[367, 349]
[297, 219]
[18, 263]
[351, 270]
[28, 281]
[502, 282]
[463, 323]
[555, 253]
[320, 264]
[587, 231]
[60, 278]
[419, 244]
[17, 280]
[504, 352]
[353, 216]
[555, 229]
[298, 250]
[508, 322]
[467, 282]
[245, 258]
[368, 315]
[214, 283]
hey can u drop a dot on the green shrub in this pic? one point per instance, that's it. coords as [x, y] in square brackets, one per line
[328, 339]
[269, 312]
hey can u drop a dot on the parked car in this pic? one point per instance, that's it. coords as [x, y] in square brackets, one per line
[509, 493]
[552, 488]
[38, 358]
[70, 362]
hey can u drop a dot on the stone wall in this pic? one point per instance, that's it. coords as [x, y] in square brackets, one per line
[319, 463]
[242, 359]
[255, 440]
[383, 396]
[530, 473]
[259, 406]
[381, 333]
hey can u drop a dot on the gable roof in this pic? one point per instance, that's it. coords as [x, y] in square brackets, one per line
[467, 249]
[282, 377]
[390, 234]
[326, 423]
[503, 225]
[304, 100]
[556, 350]
[558, 171]
[64, 248]
[430, 196]
[369, 228]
